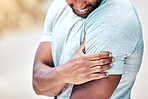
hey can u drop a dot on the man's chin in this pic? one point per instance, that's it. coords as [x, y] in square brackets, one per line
[83, 16]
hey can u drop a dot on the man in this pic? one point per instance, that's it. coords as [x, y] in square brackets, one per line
[106, 25]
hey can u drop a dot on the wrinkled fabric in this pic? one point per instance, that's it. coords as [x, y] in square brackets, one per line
[114, 26]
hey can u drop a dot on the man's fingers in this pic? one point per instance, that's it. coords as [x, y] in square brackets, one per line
[101, 62]
[98, 76]
[96, 56]
[100, 68]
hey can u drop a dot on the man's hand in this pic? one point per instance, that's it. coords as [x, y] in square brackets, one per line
[83, 68]
[49, 80]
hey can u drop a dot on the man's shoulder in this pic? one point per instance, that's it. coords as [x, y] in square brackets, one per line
[112, 6]
[114, 11]
[115, 21]
[116, 16]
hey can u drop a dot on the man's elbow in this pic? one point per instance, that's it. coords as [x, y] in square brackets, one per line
[44, 93]
[36, 91]
[40, 88]
[36, 86]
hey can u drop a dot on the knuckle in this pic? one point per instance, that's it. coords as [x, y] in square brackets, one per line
[100, 67]
[102, 61]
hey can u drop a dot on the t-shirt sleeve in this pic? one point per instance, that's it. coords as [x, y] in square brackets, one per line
[114, 34]
[48, 24]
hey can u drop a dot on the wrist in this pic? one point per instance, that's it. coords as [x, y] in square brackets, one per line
[60, 75]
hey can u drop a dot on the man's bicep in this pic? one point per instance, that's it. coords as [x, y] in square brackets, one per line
[44, 54]
[118, 41]
[105, 42]
[97, 89]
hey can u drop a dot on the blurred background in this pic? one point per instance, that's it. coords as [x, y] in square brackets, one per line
[21, 26]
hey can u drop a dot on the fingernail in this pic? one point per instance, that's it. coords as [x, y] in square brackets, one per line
[110, 55]
[111, 65]
[107, 74]
[113, 59]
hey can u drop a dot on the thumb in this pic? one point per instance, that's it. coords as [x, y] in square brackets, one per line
[82, 46]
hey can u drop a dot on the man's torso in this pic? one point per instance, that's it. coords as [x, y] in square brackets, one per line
[67, 35]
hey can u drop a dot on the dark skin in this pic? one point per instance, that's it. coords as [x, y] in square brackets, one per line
[81, 68]
[97, 89]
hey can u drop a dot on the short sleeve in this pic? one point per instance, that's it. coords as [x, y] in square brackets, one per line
[115, 34]
[48, 24]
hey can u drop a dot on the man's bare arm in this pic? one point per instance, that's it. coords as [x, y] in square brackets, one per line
[97, 89]
[46, 80]
[49, 80]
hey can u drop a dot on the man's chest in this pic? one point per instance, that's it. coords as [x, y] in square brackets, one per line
[67, 36]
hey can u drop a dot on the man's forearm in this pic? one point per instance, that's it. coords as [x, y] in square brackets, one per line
[46, 81]
[81, 68]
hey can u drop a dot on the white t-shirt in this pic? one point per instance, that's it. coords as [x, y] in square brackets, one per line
[114, 26]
